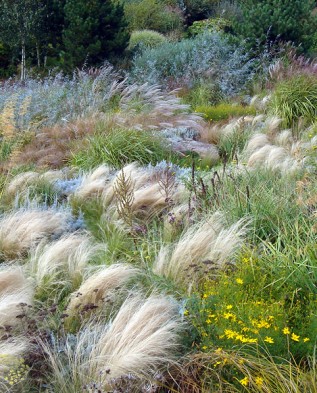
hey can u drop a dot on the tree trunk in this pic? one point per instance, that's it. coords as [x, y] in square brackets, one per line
[38, 55]
[23, 66]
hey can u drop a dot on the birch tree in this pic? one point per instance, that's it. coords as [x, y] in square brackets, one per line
[20, 23]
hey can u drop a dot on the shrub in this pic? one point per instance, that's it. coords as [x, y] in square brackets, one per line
[225, 111]
[294, 99]
[152, 14]
[271, 20]
[208, 56]
[211, 24]
[141, 39]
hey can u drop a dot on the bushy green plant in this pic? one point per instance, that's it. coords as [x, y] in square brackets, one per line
[294, 99]
[141, 39]
[225, 111]
[208, 56]
[119, 147]
[153, 15]
[277, 20]
[211, 24]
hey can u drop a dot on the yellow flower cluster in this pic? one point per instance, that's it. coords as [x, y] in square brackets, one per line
[15, 371]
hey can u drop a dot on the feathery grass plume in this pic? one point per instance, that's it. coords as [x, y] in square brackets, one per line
[203, 247]
[59, 266]
[93, 183]
[148, 200]
[148, 107]
[104, 283]
[20, 182]
[10, 307]
[277, 152]
[139, 177]
[141, 340]
[12, 279]
[256, 142]
[24, 228]
[273, 124]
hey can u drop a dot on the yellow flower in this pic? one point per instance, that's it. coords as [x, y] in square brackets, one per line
[244, 381]
[263, 324]
[259, 381]
[286, 331]
[205, 295]
[269, 340]
[230, 333]
[208, 321]
[229, 307]
[186, 312]
[239, 281]
[306, 339]
[295, 337]
[228, 315]
[204, 347]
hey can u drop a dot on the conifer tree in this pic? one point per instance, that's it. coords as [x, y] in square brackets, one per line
[94, 31]
[277, 20]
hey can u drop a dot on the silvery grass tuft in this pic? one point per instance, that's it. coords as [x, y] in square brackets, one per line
[14, 290]
[141, 340]
[22, 229]
[206, 245]
[61, 264]
[99, 286]
[23, 180]
[93, 183]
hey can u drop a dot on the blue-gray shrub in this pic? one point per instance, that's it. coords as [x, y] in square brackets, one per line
[208, 56]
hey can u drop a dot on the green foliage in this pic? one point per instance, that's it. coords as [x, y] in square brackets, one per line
[202, 94]
[94, 31]
[248, 310]
[225, 111]
[211, 24]
[119, 147]
[141, 39]
[277, 20]
[152, 15]
[294, 99]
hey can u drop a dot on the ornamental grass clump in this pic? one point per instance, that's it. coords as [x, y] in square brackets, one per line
[141, 39]
[203, 249]
[100, 288]
[21, 230]
[140, 341]
[295, 99]
[59, 266]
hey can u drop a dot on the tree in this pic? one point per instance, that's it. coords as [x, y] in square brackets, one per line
[94, 31]
[277, 20]
[20, 23]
